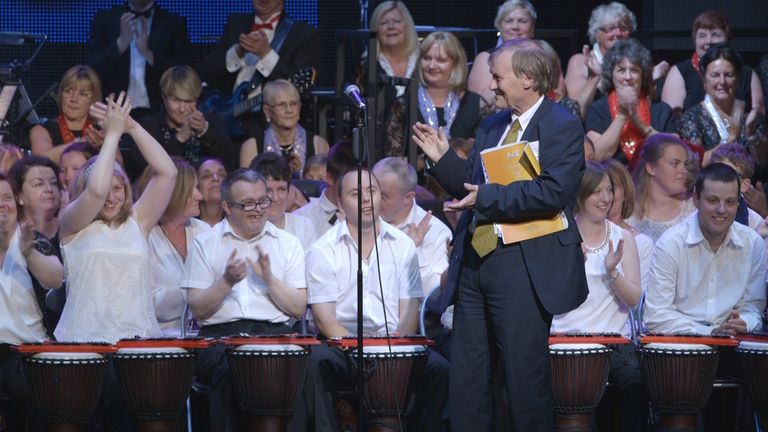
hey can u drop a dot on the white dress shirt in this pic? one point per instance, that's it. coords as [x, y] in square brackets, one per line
[433, 252]
[332, 277]
[524, 119]
[302, 228]
[250, 62]
[693, 289]
[20, 316]
[320, 211]
[137, 86]
[166, 273]
[249, 298]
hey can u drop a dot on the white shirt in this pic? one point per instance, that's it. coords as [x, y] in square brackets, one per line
[250, 62]
[692, 289]
[20, 316]
[320, 211]
[249, 298]
[167, 272]
[602, 311]
[302, 228]
[332, 277]
[524, 119]
[137, 87]
[645, 254]
[433, 252]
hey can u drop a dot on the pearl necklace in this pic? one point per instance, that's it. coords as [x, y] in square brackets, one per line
[601, 246]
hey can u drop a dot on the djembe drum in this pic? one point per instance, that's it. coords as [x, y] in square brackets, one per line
[393, 368]
[156, 377]
[267, 374]
[678, 372]
[65, 381]
[752, 356]
[579, 365]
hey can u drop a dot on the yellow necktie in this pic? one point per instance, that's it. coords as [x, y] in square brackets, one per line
[484, 238]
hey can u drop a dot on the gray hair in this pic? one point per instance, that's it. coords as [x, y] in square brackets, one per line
[241, 174]
[636, 53]
[508, 6]
[405, 173]
[528, 59]
[614, 11]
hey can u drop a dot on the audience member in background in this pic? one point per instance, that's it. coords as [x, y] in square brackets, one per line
[20, 316]
[72, 159]
[9, 153]
[619, 122]
[443, 98]
[737, 157]
[684, 87]
[314, 169]
[283, 135]
[613, 276]
[132, 44]
[274, 167]
[104, 237]
[79, 88]
[323, 211]
[762, 73]
[181, 128]
[170, 241]
[660, 181]
[210, 174]
[38, 195]
[514, 19]
[721, 117]
[558, 94]
[397, 45]
[622, 208]
[242, 276]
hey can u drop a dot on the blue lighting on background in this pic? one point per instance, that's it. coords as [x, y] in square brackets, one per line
[68, 21]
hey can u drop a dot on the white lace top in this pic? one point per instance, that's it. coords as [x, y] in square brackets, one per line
[108, 293]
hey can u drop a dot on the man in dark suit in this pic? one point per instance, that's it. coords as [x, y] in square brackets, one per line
[248, 50]
[132, 45]
[507, 294]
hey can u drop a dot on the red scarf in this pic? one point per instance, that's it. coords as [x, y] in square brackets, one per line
[631, 138]
[66, 133]
[695, 60]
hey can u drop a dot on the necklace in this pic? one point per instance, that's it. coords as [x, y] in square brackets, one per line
[179, 244]
[601, 246]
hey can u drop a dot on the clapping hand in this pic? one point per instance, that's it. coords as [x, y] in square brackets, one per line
[613, 257]
[94, 136]
[235, 270]
[433, 143]
[261, 266]
[120, 111]
[254, 42]
[417, 232]
[594, 68]
[27, 237]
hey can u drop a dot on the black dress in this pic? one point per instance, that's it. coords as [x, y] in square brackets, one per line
[599, 118]
[694, 86]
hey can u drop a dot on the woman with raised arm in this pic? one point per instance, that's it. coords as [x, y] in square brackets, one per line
[104, 237]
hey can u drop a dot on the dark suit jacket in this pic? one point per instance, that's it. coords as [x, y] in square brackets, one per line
[554, 262]
[168, 41]
[300, 49]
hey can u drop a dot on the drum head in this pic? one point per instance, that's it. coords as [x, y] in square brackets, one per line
[259, 347]
[66, 356]
[575, 347]
[753, 346]
[153, 350]
[678, 347]
[383, 349]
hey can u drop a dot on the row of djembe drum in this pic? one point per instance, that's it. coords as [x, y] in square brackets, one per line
[156, 375]
[678, 372]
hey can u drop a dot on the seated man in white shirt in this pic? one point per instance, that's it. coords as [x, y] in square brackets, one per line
[242, 276]
[708, 273]
[331, 284]
[275, 169]
[323, 211]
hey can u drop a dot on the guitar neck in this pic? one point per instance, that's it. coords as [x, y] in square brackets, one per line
[246, 105]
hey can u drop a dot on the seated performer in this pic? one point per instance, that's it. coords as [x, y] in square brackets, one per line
[708, 273]
[331, 285]
[274, 167]
[242, 276]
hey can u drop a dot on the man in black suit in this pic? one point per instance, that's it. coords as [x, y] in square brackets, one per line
[132, 45]
[263, 46]
[507, 294]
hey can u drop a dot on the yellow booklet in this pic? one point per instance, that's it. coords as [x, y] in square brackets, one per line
[515, 162]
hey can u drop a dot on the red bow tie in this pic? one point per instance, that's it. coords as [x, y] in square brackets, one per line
[269, 25]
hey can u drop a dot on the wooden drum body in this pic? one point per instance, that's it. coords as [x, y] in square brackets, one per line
[752, 355]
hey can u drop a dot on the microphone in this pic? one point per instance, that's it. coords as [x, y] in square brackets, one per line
[353, 92]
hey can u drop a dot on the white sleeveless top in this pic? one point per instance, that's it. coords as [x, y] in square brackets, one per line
[602, 311]
[108, 293]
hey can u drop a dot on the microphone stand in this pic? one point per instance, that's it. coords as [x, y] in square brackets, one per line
[358, 152]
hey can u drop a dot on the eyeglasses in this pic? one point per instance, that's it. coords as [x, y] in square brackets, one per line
[250, 206]
[283, 106]
[613, 28]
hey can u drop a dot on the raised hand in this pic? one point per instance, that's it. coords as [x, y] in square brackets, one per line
[660, 70]
[197, 121]
[117, 114]
[417, 232]
[594, 68]
[94, 136]
[613, 257]
[235, 270]
[756, 199]
[126, 31]
[27, 243]
[433, 143]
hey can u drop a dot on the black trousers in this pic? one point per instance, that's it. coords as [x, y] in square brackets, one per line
[331, 370]
[497, 311]
[15, 405]
[213, 368]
